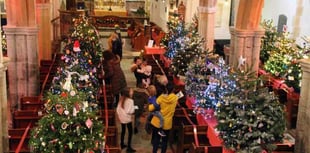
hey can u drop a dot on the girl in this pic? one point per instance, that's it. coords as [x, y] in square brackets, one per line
[125, 109]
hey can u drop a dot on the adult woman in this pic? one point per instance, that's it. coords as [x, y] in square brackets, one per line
[167, 101]
[114, 73]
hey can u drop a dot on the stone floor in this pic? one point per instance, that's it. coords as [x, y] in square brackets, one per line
[141, 141]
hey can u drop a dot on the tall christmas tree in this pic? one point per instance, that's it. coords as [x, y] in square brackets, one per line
[251, 120]
[175, 38]
[293, 74]
[183, 44]
[281, 55]
[71, 123]
[268, 40]
[196, 81]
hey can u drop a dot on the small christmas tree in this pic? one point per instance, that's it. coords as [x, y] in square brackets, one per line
[71, 124]
[251, 120]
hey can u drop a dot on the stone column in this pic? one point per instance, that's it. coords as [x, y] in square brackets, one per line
[246, 35]
[302, 143]
[23, 69]
[4, 113]
[44, 36]
[245, 43]
[4, 141]
[207, 9]
[22, 45]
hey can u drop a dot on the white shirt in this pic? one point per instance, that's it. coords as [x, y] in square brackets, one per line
[124, 114]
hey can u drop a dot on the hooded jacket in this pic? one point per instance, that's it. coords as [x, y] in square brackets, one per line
[167, 105]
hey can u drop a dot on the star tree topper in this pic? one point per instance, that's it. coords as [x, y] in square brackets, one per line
[241, 62]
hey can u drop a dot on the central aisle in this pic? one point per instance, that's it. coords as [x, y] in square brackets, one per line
[141, 141]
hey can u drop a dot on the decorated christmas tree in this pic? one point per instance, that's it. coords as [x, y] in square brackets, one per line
[208, 80]
[293, 74]
[183, 44]
[196, 80]
[71, 123]
[251, 120]
[4, 44]
[268, 40]
[280, 57]
[175, 37]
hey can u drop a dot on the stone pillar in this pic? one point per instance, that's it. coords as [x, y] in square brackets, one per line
[4, 113]
[207, 9]
[246, 35]
[44, 36]
[22, 45]
[302, 143]
[245, 43]
[4, 141]
[23, 68]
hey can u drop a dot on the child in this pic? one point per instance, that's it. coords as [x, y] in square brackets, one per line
[146, 70]
[152, 100]
[125, 109]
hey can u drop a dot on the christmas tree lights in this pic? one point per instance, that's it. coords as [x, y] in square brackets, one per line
[71, 123]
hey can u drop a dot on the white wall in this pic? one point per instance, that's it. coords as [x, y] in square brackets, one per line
[297, 12]
[222, 17]
[159, 13]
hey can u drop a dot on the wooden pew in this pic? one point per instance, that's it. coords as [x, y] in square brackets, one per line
[187, 137]
[111, 116]
[205, 149]
[15, 136]
[113, 150]
[110, 100]
[112, 137]
[21, 118]
[179, 119]
[31, 103]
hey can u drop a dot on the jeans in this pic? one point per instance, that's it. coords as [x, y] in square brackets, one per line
[156, 140]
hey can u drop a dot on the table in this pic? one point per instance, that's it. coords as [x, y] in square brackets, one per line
[160, 51]
[154, 50]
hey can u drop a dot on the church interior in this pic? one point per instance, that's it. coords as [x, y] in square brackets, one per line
[240, 69]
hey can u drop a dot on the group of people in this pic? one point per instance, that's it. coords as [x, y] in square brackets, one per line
[153, 95]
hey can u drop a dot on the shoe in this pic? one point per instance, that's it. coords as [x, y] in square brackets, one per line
[123, 146]
[161, 133]
[129, 149]
[136, 130]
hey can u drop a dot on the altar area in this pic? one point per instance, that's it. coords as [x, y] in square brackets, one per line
[110, 8]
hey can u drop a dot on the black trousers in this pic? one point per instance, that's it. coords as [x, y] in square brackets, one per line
[129, 127]
[156, 140]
